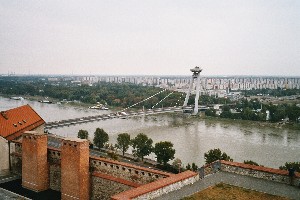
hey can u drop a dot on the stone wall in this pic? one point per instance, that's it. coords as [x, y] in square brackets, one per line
[167, 189]
[55, 177]
[103, 189]
[140, 175]
[159, 187]
[4, 161]
[270, 174]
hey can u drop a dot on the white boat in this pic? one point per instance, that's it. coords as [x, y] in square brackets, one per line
[17, 98]
[99, 107]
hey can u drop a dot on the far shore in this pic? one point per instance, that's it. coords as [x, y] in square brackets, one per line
[293, 126]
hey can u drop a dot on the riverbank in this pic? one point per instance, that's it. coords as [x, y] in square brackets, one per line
[279, 125]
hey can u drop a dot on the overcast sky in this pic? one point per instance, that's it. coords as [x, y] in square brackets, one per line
[150, 37]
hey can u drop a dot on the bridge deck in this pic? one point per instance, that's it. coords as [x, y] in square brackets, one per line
[69, 122]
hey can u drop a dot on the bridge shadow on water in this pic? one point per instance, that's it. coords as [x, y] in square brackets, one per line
[16, 187]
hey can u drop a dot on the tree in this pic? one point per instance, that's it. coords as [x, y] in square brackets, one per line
[100, 137]
[177, 164]
[288, 165]
[164, 152]
[250, 162]
[194, 167]
[142, 145]
[83, 134]
[214, 155]
[123, 142]
[188, 167]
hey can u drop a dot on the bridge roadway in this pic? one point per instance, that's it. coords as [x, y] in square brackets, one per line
[121, 114]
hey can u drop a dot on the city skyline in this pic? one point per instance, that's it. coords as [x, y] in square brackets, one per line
[225, 38]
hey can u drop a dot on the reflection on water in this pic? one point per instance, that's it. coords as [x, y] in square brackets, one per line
[191, 137]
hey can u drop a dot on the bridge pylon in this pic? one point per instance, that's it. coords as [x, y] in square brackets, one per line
[196, 76]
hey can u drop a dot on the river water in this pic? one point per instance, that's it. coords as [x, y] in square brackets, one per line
[192, 137]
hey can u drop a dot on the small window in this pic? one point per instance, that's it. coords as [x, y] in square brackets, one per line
[156, 176]
[137, 172]
[123, 168]
[117, 167]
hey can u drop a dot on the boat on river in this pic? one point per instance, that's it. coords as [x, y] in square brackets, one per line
[99, 107]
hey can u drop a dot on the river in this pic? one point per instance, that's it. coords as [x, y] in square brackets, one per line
[192, 137]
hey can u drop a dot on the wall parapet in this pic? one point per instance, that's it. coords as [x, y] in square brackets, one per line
[159, 187]
[129, 172]
[115, 179]
[266, 173]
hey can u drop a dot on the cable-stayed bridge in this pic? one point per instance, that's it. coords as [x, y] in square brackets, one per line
[127, 112]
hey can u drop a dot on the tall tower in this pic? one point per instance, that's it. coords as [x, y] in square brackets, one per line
[196, 75]
[34, 161]
[75, 181]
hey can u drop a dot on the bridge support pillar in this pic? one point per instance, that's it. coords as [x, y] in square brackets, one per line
[196, 75]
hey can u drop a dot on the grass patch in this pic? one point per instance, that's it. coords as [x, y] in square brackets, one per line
[223, 191]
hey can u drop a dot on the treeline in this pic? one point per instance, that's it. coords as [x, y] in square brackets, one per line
[256, 111]
[142, 146]
[112, 94]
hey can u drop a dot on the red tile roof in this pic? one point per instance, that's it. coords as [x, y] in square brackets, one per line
[16, 121]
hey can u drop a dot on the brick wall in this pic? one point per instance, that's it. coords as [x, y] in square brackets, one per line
[75, 183]
[34, 161]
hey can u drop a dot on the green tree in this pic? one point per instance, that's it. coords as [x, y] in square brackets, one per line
[250, 162]
[123, 142]
[188, 167]
[164, 152]
[194, 167]
[288, 165]
[214, 155]
[100, 137]
[83, 134]
[142, 145]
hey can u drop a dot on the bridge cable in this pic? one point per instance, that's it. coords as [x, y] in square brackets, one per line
[144, 100]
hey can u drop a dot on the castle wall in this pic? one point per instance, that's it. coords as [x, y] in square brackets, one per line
[34, 161]
[140, 175]
[266, 173]
[103, 189]
[4, 161]
[75, 183]
[159, 187]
